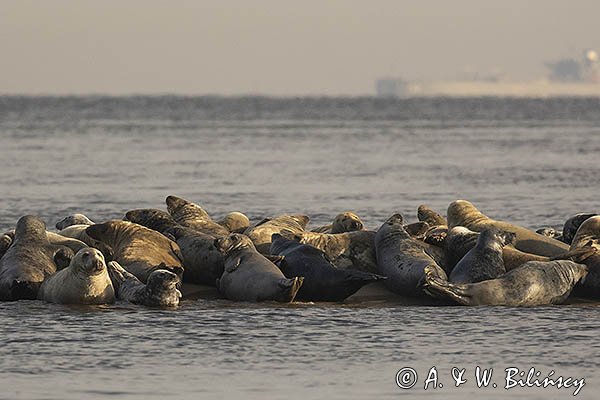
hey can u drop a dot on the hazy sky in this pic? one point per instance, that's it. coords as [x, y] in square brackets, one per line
[279, 47]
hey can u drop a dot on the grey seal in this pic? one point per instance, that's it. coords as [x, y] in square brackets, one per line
[160, 289]
[343, 222]
[484, 261]
[532, 284]
[78, 232]
[29, 260]
[322, 280]
[249, 276]
[235, 222]
[84, 281]
[588, 235]
[138, 249]
[463, 213]
[572, 225]
[193, 216]
[75, 219]
[426, 214]
[261, 233]
[202, 261]
[401, 258]
[354, 250]
[5, 242]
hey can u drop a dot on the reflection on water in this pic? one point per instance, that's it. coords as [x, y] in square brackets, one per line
[533, 162]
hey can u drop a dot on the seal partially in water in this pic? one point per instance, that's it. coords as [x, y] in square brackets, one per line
[84, 281]
[249, 276]
[484, 261]
[193, 216]
[344, 222]
[532, 284]
[261, 233]
[75, 219]
[138, 249]
[160, 289]
[401, 258]
[29, 260]
[322, 280]
[463, 213]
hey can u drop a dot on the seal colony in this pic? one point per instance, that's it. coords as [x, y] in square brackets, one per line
[151, 256]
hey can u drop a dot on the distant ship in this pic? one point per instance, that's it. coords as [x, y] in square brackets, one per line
[567, 77]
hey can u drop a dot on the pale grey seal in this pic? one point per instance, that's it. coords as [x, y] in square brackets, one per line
[84, 281]
[532, 284]
[75, 219]
[463, 213]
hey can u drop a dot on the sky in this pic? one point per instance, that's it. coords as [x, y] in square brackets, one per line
[280, 47]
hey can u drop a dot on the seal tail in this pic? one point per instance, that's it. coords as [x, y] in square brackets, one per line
[291, 287]
[436, 285]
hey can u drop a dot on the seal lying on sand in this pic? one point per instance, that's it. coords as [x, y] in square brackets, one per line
[235, 222]
[249, 276]
[355, 250]
[193, 216]
[401, 258]
[344, 222]
[463, 213]
[484, 261]
[29, 260]
[159, 291]
[532, 284]
[75, 219]
[202, 261]
[84, 281]
[78, 232]
[322, 280]
[588, 234]
[261, 233]
[138, 249]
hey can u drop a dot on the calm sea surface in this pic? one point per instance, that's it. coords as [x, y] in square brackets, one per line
[533, 162]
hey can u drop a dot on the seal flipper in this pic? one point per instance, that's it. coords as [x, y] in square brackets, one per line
[290, 287]
[62, 257]
[434, 285]
[233, 267]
